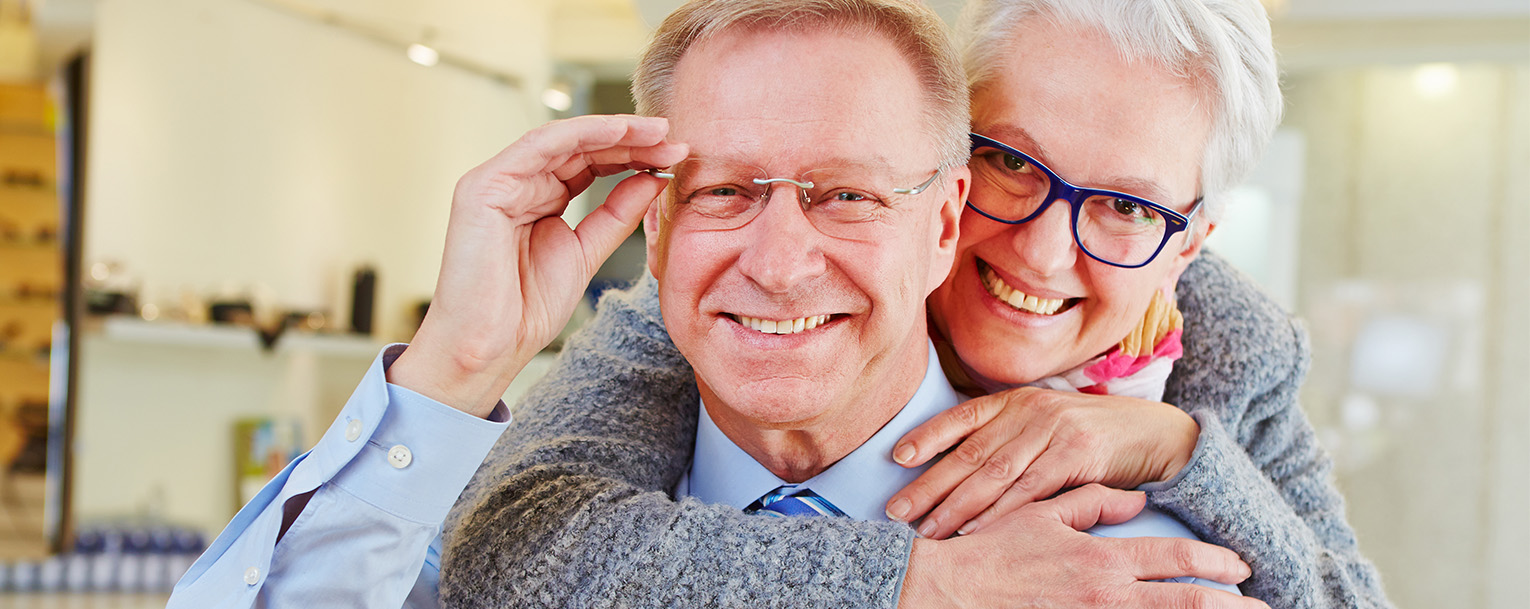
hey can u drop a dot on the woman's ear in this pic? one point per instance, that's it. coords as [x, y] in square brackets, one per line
[1194, 242]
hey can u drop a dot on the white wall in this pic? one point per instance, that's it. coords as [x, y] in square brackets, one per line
[231, 142]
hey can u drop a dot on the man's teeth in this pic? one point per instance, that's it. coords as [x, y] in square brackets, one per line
[785, 326]
[1016, 298]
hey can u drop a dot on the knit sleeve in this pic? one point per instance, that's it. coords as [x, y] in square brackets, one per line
[1260, 484]
[573, 509]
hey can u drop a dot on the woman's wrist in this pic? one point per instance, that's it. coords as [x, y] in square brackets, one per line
[1179, 445]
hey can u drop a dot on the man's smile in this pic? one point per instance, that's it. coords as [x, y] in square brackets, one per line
[781, 326]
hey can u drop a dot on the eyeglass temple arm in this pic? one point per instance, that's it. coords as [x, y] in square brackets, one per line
[918, 189]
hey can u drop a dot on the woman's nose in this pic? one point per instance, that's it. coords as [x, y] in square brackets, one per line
[1045, 244]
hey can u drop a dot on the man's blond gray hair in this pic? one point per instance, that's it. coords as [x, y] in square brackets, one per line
[1223, 46]
[913, 28]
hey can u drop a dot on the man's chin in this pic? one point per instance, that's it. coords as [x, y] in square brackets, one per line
[775, 403]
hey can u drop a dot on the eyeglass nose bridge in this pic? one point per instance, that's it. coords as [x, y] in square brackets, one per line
[1059, 191]
[802, 193]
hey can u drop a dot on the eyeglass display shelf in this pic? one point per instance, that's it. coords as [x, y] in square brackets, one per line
[217, 336]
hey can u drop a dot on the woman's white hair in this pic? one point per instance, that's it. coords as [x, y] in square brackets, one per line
[1222, 45]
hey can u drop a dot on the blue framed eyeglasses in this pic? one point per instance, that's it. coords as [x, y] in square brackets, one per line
[1112, 227]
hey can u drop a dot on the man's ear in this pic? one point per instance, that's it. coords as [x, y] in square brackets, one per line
[1198, 233]
[653, 238]
[948, 225]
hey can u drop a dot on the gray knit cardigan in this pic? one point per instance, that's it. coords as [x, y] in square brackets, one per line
[572, 508]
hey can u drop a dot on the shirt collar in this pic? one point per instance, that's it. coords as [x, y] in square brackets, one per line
[859, 484]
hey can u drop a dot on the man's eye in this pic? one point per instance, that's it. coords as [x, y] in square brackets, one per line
[722, 191]
[1014, 163]
[1127, 208]
[846, 195]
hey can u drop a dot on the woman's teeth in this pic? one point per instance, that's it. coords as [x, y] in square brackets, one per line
[786, 326]
[1016, 298]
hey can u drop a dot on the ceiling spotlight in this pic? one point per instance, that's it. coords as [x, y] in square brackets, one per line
[423, 55]
[557, 99]
[1435, 80]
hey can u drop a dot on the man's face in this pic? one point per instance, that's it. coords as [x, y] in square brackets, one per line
[1068, 99]
[789, 103]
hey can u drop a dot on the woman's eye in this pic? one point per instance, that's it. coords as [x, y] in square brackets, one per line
[1127, 208]
[722, 191]
[1014, 163]
[846, 195]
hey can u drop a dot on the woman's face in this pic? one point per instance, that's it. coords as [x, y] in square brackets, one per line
[1069, 100]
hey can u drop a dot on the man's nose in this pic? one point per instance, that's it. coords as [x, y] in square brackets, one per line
[781, 249]
[1045, 244]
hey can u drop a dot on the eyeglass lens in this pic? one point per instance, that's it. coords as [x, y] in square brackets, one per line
[1013, 188]
[719, 195]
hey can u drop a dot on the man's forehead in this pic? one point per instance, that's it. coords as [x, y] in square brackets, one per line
[804, 95]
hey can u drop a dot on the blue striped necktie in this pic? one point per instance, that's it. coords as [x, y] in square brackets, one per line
[789, 500]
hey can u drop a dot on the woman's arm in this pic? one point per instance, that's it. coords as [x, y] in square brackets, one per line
[1260, 484]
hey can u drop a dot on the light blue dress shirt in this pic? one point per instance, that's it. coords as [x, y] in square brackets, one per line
[386, 473]
[864, 481]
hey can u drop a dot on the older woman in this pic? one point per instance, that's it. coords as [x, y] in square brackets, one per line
[1108, 134]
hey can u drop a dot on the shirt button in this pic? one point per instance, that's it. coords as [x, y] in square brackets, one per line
[251, 576]
[353, 430]
[399, 456]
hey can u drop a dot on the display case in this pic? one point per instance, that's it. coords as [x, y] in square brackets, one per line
[31, 307]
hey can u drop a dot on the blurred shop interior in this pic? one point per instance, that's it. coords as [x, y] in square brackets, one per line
[214, 213]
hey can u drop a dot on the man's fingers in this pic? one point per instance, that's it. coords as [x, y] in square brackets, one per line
[1167, 557]
[945, 430]
[616, 159]
[1087, 506]
[1167, 595]
[609, 224]
[548, 147]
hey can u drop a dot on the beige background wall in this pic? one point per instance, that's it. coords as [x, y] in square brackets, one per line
[1417, 208]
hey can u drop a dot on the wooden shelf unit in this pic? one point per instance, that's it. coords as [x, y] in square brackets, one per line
[31, 262]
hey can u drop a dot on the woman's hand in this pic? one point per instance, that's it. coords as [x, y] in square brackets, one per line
[1026, 444]
[513, 270]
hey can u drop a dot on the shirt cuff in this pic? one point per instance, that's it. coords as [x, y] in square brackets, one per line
[422, 454]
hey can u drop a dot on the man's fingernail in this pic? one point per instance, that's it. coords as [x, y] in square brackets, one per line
[928, 527]
[966, 529]
[899, 508]
[903, 453]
